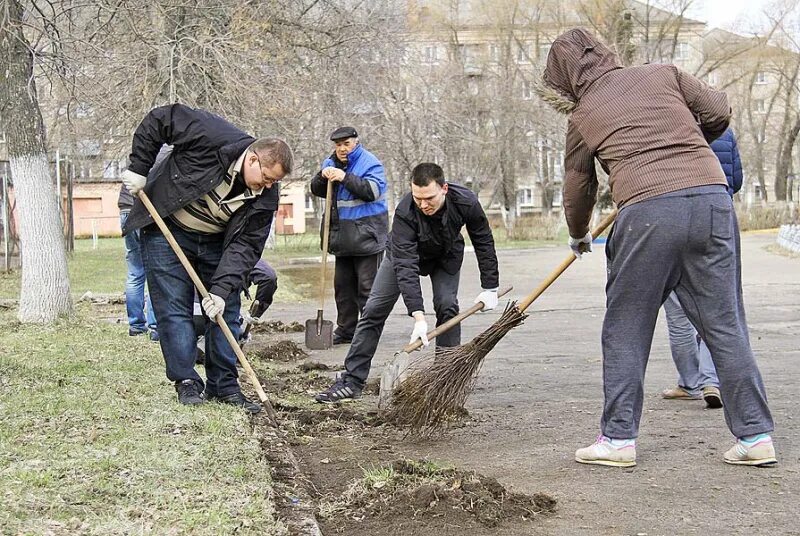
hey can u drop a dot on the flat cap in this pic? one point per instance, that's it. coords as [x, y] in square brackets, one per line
[342, 133]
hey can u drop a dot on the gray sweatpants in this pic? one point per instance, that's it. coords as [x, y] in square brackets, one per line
[384, 294]
[686, 241]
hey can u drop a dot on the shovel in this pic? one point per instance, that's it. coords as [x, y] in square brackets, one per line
[319, 332]
[247, 326]
[397, 369]
[262, 396]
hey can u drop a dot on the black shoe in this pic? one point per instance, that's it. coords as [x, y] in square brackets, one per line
[340, 391]
[154, 335]
[189, 393]
[135, 332]
[341, 340]
[238, 399]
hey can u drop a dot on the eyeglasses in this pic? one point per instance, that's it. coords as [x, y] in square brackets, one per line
[267, 179]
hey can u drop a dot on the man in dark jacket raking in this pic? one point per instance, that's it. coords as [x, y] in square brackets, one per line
[359, 224]
[425, 240]
[217, 192]
[648, 126]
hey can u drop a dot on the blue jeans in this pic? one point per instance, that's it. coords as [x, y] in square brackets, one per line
[137, 300]
[172, 292]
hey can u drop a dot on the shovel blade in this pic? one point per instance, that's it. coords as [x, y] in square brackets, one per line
[319, 334]
[393, 374]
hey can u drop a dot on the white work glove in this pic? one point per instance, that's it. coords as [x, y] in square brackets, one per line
[213, 305]
[580, 246]
[420, 330]
[489, 299]
[133, 181]
[254, 320]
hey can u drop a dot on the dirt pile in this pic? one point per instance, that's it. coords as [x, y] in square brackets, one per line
[276, 326]
[280, 351]
[414, 489]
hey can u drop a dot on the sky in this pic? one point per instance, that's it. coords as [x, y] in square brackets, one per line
[722, 13]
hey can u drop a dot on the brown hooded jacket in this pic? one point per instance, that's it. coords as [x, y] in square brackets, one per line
[649, 126]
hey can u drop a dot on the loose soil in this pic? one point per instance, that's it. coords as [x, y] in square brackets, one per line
[278, 351]
[276, 326]
[539, 397]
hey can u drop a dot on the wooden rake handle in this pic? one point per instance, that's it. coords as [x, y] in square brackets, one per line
[262, 396]
[453, 321]
[326, 233]
[597, 231]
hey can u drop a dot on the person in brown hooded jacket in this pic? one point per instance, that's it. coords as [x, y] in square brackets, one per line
[649, 126]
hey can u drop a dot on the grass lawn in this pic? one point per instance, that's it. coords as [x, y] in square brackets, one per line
[93, 441]
[103, 271]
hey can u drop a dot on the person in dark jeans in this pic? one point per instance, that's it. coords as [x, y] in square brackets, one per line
[425, 240]
[141, 319]
[358, 227]
[266, 280]
[217, 191]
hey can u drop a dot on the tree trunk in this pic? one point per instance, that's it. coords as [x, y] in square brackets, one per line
[45, 293]
[546, 184]
[785, 161]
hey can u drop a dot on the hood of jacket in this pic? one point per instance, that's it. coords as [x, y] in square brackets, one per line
[576, 60]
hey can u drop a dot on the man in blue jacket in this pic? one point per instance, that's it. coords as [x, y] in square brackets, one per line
[359, 224]
[217, 191]
[697, 376]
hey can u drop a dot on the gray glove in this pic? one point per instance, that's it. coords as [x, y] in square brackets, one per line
[580, 246]
[133, 181]
[213, 305]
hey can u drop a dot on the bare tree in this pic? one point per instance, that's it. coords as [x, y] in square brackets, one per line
[45, 291]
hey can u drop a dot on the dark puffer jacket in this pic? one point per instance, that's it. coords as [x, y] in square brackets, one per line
[728, 154]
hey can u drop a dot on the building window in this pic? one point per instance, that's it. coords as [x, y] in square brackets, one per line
[111, 169]
[682, 51]
[527, 90]
[544, 50]
[309, 205]
[494, 53]
[83, 110]
[761, 77]
[522, 53]
[431, 54]
[558, 196]
[525, 197]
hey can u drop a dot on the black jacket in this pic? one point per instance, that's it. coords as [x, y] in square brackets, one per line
[418, 244]
[204, 147]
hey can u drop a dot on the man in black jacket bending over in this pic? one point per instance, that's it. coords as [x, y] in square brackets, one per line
[425, 240]
[217, 193]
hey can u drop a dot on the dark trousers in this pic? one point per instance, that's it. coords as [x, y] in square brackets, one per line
[352, 282]
[687, 242]
[172, 293]
[382, 298]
